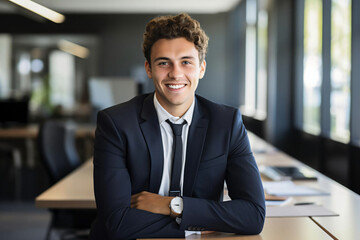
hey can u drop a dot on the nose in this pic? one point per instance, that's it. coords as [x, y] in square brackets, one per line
[175, 72]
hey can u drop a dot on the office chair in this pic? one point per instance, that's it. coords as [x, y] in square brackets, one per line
[56, 142]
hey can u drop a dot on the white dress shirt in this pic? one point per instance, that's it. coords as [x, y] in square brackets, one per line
[167, 141]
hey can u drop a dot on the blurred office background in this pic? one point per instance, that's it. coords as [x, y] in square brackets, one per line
[292, 67]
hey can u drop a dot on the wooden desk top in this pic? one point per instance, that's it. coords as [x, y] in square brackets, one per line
[341, 200]
[31, 131]
[275, 229]
[73, 191]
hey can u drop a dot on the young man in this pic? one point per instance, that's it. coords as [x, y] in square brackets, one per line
[153, 182]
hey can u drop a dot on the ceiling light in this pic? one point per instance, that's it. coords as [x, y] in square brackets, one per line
[73, 48]
[41, 10]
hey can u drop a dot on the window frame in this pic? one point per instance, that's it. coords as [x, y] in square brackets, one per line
[325, 117]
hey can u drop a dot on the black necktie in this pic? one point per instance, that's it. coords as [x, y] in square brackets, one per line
[177, 159]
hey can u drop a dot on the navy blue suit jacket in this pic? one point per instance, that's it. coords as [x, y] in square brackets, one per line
[128, 159]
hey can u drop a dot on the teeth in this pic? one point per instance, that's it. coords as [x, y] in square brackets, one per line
[176, 86]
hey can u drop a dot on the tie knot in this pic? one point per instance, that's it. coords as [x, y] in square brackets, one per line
[176, 128]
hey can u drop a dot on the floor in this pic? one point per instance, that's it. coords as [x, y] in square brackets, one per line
[21, 220]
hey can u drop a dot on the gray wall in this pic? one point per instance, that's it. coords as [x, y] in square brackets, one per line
[120, 38]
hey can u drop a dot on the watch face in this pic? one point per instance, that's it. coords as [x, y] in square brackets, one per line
[177, 205]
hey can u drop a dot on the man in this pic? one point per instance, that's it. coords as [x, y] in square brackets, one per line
[136, 145]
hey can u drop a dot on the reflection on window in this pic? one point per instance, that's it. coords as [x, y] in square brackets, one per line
[62, 79]
[340, 69]
[312, 65]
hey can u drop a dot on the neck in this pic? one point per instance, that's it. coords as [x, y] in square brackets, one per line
[176, 110]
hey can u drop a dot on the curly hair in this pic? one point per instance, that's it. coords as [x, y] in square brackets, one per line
[170, 27]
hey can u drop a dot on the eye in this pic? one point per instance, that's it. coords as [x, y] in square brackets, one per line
[163, 63]
[186, 62]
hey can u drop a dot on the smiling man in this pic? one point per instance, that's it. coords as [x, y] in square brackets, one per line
[161, 159]
[175, 69]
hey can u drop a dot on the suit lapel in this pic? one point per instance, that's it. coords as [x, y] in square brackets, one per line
[195, 145]
[151, 131]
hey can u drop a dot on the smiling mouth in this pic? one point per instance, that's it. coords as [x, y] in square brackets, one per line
[175, 86]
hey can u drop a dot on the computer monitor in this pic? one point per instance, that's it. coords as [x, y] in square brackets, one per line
[14, 112]
[105, 92]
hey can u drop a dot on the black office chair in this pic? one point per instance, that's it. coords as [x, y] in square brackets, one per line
[58, 153]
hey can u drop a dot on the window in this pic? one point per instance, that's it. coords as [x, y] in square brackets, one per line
[250, 58]
[62, 79]
[340, 69]
[262, 62]
[327, 75]
[256, 59]
[312, 66]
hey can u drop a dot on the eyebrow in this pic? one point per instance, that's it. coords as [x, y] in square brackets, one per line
[167, 59]
[161, 59]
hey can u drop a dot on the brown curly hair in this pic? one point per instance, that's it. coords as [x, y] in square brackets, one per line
[170, 27]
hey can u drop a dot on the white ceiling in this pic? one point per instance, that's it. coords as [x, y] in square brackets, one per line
[131, 6]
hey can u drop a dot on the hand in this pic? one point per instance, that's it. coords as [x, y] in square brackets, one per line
[151, 202]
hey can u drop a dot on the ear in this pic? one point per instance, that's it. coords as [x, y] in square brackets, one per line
[202, 69]
[148, 69]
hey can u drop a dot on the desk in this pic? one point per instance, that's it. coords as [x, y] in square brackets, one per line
[76, 191]
[275, 229]
[30, 132]
[66, 194]
[341, 200]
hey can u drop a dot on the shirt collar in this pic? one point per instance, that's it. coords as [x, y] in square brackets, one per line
[163, 115]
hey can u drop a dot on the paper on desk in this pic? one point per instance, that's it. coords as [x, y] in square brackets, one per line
[299, 211]
[288, 188]
[286, 201]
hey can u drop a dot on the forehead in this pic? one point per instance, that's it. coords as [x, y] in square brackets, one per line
[173, 49]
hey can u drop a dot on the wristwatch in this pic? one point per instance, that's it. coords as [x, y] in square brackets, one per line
[176, 207]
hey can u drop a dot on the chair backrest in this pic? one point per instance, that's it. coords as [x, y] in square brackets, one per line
[57, 148]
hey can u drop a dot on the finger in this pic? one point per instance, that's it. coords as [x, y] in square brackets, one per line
[135, 195]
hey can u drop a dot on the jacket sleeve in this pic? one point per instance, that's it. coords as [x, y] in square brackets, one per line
[245, 213]
[112, 186]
